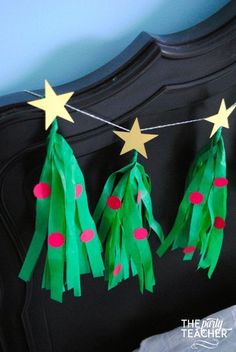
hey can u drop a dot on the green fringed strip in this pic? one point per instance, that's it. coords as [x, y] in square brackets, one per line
[63, 218]
[125, 218]
[201, 216]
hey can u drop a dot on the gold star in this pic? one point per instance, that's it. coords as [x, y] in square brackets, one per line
[221, 118]
[135, 139]
[53, 105]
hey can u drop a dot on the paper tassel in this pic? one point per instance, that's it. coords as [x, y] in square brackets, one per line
[200, 221]
[63, 218]
[125, 219]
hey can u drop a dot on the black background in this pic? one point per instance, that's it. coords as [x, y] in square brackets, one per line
[160, 80]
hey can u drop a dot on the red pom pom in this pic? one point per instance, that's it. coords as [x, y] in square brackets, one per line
[140, 233]
[196, 197]
[220, 182]
[139, 197]
[56, 239]
[78, 190]
[42, 190]
[87, 235]
[219, 223]
[189, 249]
[114, 202]
[117, 269]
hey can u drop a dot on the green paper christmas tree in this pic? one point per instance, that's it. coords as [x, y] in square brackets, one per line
[63, 221]
[200, 221]
[125, 219]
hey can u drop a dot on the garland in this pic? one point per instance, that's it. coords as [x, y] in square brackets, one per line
[123, 215]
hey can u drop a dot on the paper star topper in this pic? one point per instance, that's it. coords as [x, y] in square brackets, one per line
[53, 105]
[135, 139]
[221, 118]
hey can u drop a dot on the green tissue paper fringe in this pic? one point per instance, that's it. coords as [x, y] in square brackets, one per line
[116, 227]
[63, 213]
[194, 224]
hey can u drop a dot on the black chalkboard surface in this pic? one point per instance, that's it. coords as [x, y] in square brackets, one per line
[160, 79]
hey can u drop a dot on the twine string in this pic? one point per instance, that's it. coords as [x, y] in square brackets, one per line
[87, 113]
